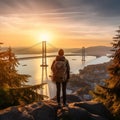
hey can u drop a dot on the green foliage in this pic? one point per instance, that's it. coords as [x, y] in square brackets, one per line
[27, 94]
[4, 98]
[20, 96]
[8, 73]
[110, 93]
[12, 91]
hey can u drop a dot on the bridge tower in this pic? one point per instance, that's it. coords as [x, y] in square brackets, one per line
[44, 61]
[83, 54]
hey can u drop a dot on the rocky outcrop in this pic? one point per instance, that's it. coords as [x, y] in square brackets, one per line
[95, 73]
[48, 110]
[87, 79]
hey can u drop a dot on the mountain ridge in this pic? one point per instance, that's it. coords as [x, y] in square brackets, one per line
[93, 50]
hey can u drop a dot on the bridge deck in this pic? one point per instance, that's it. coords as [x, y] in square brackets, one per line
[34, 57]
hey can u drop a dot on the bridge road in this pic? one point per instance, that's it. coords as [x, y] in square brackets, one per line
[34, 57]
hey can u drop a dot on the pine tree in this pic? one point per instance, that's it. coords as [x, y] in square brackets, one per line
[110, 93]
[9, 76]
[12, 89]
[114, 69]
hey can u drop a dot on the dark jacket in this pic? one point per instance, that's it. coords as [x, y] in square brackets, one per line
[62, 58]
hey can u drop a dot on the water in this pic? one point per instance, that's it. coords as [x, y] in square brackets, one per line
[32, 67]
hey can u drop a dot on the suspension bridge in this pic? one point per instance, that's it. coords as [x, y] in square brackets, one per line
[47, 46]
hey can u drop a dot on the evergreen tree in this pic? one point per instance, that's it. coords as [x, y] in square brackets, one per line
[114, 69]
[12, 89]
[9, 76]
[110, 93]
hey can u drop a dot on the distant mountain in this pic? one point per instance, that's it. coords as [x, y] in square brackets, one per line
[96, 50]
[23, 50]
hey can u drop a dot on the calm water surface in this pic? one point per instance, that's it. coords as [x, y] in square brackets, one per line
[32, 66]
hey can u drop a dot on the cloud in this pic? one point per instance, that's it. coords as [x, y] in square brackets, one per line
[26, 6]
[103, 7]
[76, 17]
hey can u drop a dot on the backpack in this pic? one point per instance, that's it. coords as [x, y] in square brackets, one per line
[59, 71]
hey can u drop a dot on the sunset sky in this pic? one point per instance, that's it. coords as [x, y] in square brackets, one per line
[70, 23]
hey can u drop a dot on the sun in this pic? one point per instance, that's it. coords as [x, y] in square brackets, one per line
[45, 36]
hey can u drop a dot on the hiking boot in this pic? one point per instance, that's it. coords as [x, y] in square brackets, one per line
[59, 105]
[65, 105]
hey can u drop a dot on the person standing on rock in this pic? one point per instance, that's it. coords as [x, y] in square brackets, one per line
[61, 74]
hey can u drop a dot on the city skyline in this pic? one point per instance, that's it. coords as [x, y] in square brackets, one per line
[71, 23]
